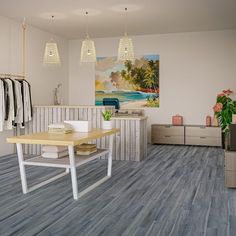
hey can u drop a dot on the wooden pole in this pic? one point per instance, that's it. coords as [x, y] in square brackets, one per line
[23, 48]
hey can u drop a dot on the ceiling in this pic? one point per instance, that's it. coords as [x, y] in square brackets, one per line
[106, 17]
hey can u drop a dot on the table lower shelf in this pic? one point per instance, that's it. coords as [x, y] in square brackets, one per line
[64, 162]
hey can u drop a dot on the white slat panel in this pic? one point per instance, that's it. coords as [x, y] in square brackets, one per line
[34, 128]
[122, 139]
[38, 151]
[133, 141]
[46, 118]
[30, 132]
[117, 155]
[67, 114]
[76, 115]
[127, 140]
[85, 116]
[71, 116]
[63, 113]
[81, 113]
[90, 116]
[54, 116]
[137, 137]
[98, 125]
[26, 146]
[59, 115]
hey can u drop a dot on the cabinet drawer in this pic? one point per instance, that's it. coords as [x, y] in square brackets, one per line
[230, 179]
[230, 161]
[203, 141]
[167, 130]
[167, 139]
[203, 131]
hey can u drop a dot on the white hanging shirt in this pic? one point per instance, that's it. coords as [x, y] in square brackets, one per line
[19, 102]
[27, 104]
[11, 116]
[2, 105]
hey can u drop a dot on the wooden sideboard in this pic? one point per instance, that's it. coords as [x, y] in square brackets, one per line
[187, 134]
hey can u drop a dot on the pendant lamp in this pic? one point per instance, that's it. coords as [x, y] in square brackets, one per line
[88, 51]
[126, 49]
[51, 54]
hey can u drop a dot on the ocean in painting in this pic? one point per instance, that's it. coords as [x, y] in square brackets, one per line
[135, 84]
[125, 97]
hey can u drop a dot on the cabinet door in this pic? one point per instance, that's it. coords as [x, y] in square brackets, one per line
[230, 161]
[168, 139]
[202, 131]
[203, 141]
[167, 130]
[230, 179]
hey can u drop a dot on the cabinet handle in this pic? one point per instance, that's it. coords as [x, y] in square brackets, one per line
[202, 137]
[167, 136]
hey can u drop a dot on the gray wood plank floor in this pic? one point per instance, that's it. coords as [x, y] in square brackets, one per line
[178, 190]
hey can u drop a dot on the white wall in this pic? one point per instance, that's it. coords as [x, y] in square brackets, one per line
[194, 67]
[43, 79]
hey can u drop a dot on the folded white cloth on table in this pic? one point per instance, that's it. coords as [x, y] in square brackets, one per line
[55, 154]
[54, 149]
[60, 126]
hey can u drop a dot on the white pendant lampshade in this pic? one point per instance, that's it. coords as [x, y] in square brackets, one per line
[51, 54]
[126, 48]
[88, 51]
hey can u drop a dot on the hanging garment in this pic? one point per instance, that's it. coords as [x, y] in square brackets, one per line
[11, 114]
[2, 105]
[30, 99]
[27, 102]
[19, 102]
[6, 97]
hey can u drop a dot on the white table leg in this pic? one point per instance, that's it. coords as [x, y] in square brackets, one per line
[109, 168]
[22, 168]
[73, 172]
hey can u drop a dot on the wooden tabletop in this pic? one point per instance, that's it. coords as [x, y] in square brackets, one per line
[73, 139]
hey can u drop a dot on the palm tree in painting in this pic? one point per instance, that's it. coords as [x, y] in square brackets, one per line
[142, 77]
[149, 83]
[127, 74]
[151, 76]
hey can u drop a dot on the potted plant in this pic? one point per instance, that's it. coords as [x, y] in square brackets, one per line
[107, 122]
[224, 108]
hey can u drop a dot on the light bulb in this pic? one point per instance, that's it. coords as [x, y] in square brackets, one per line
[88, 52]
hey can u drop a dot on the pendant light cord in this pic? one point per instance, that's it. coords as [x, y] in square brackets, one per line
[23, 48]
[53, 17]
[125, 23]
[86, 30]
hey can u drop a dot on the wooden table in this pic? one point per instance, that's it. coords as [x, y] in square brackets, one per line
[69, 163]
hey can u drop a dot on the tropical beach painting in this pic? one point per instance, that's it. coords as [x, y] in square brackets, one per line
[135, 84]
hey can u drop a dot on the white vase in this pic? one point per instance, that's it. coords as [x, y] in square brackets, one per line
[107, 124]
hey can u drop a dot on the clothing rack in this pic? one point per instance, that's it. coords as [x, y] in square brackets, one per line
[12, 75]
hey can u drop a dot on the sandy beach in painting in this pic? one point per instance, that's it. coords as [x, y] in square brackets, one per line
[134, 104]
